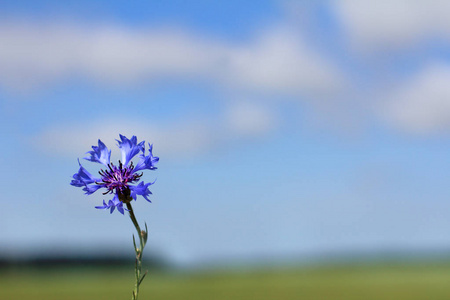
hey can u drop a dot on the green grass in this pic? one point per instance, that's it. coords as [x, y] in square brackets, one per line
[396, 282]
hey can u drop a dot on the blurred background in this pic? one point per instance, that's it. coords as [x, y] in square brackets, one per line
[304, 147]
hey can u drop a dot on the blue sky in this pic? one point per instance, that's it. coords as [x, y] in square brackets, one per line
[284, 128]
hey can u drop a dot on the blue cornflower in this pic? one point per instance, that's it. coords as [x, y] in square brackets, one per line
[117, 180]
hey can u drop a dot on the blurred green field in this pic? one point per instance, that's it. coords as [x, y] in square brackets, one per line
[368, 282]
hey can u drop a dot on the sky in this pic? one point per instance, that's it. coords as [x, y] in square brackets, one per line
[284, 128]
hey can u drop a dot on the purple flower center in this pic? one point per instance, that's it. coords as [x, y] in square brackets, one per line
[117, 179]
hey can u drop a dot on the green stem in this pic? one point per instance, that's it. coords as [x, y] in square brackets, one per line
[142, 240]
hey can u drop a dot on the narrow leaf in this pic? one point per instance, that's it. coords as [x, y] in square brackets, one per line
[134, 243]
[143, 276]
[146, 233]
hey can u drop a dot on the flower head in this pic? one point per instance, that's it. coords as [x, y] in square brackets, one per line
[117, 179]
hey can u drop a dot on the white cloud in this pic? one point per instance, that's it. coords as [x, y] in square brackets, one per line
[35, 54]
[422, 104]
[250, 119]
[393, 24]
[278, 60]
[180, 139]
[174, 140]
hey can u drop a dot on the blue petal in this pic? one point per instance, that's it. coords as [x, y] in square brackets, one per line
[103, 206]
[120, 208]
[90, 189]
[83, 177]
[115, 200]
[146, 162]
[100, 154]
[141, 189]
[113, 204]
[129, 148]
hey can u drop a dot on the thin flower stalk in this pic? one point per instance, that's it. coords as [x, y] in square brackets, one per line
[139, 250]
